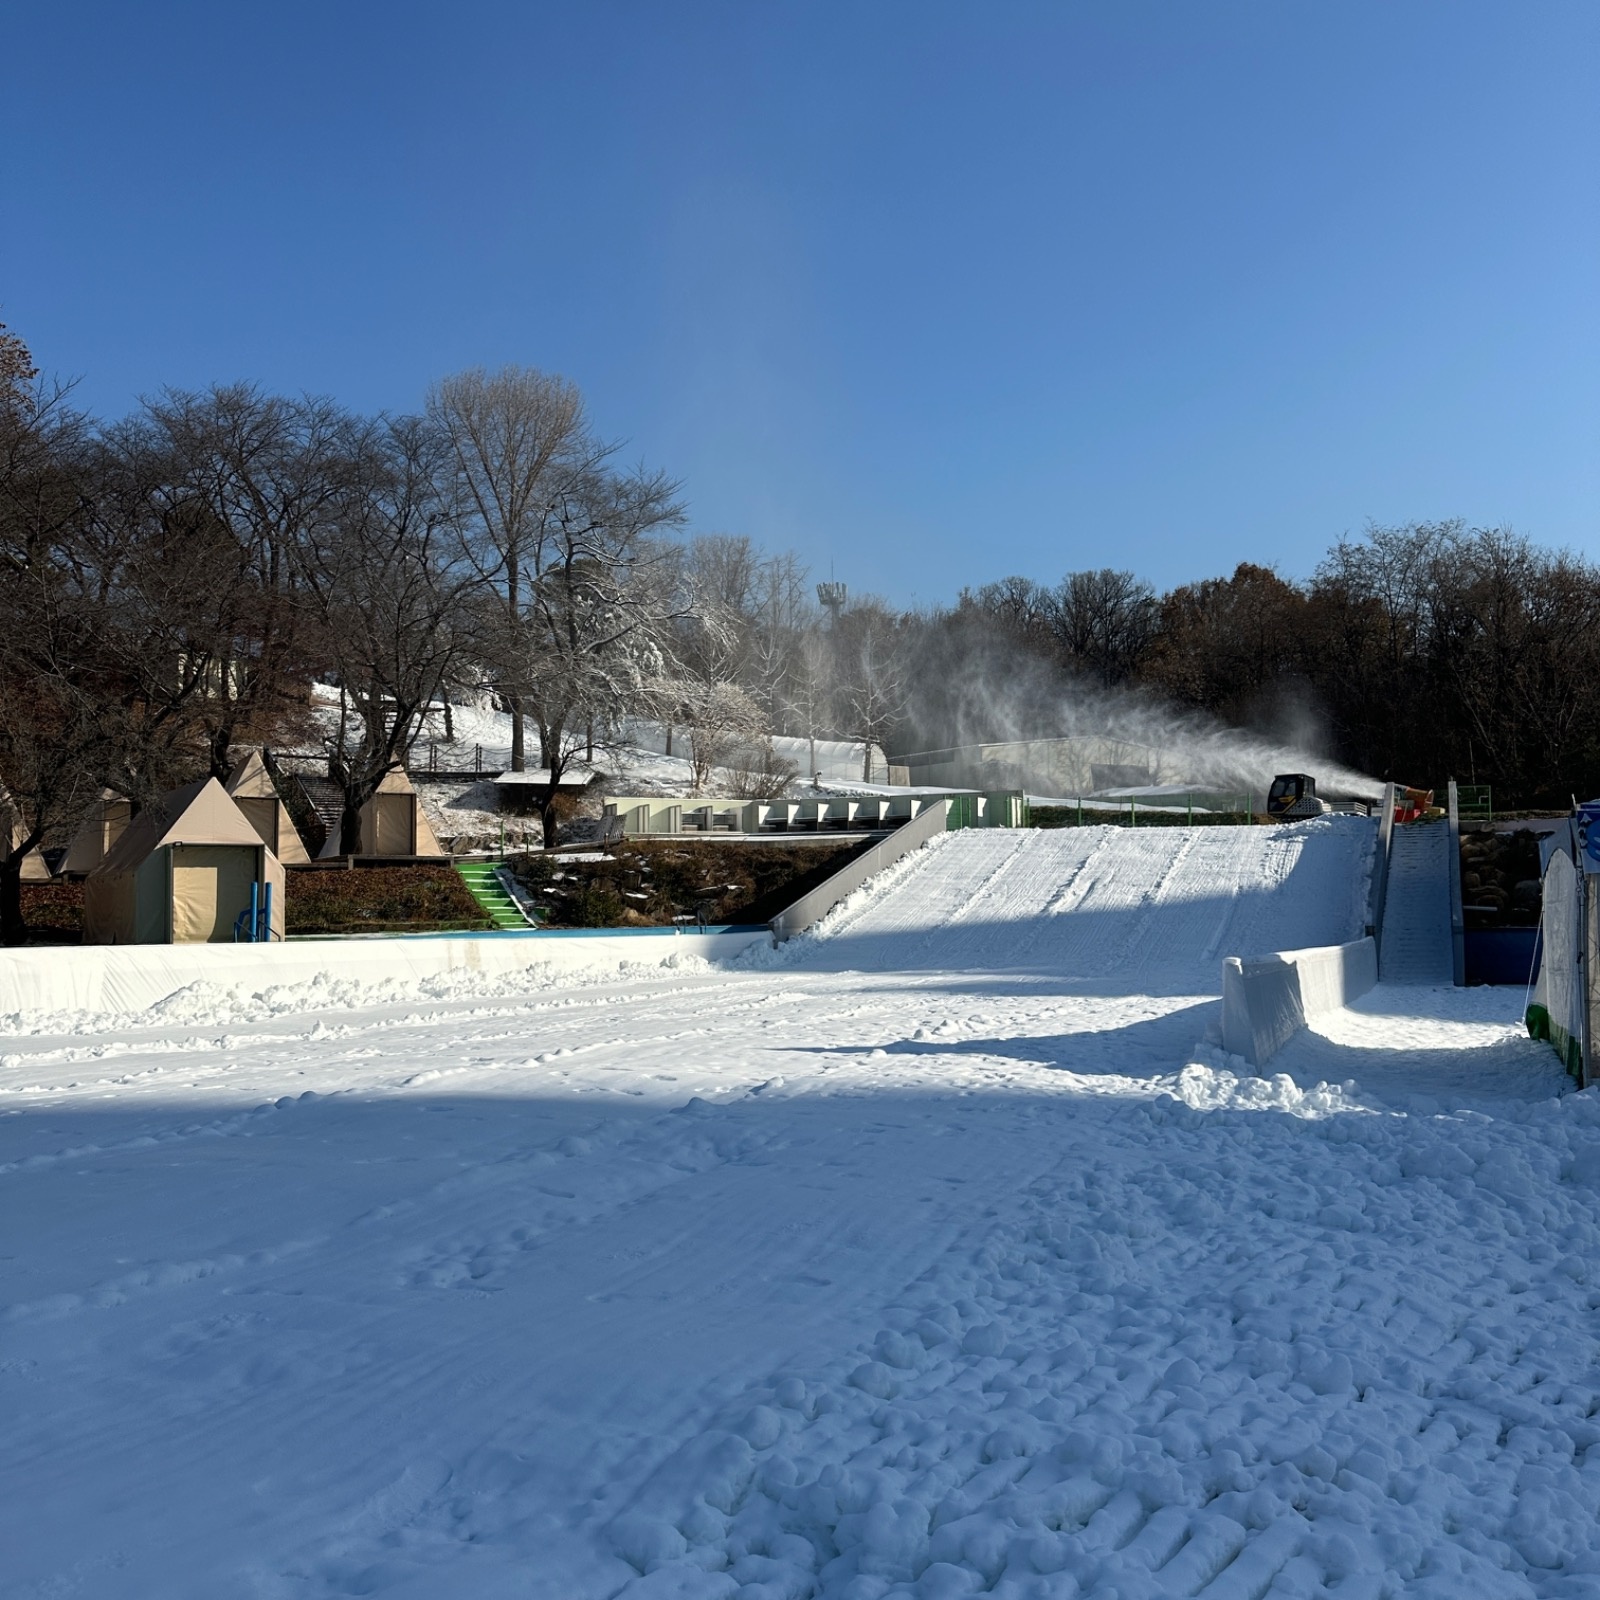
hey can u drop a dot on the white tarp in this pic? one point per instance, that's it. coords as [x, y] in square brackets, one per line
[1558, 991]
[1267, 1001]
[128, 978]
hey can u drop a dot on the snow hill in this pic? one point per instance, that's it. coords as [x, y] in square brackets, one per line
[935, 1255]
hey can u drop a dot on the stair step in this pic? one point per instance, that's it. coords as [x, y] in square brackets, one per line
[483, 883]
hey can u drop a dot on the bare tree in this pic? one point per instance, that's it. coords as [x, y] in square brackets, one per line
[387, 583]
[516, 438]
[875, 677]
[17, 371]
[723, 721]
[54, 751]
[780, 616]
[55, 748]
[1105, 622]
[204, 504]
[604, 599]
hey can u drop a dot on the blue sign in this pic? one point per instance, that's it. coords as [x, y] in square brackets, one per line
[1589, 834]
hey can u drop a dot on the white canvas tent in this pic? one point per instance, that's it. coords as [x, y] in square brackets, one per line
[181, 873]
[255, 794]
[96, 834]
[393, 823]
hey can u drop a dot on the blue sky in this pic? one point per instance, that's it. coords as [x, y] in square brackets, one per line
[931, 293]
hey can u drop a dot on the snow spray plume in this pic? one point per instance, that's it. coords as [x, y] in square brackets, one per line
[972, 687]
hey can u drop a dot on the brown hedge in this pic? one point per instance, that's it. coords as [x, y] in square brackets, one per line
[400, 899]
[651, 883]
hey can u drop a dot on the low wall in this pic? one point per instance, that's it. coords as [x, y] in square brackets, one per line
[128, 978]
[813, 907]
[1501, 955]
[1267, 1001]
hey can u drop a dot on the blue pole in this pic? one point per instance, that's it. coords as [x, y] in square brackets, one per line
[255, 890]
[266, 915]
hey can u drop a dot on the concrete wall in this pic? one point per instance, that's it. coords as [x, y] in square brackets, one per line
[640, 816]
[124, 978]
[1266, 1002]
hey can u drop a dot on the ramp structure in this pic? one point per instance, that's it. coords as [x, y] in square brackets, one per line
[1415, 947]
[1130, 911]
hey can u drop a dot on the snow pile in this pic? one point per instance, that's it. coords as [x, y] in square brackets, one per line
[1206, 1087]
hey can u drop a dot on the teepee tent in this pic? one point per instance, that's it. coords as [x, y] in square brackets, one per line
[183, 872]
[96, 834]
[393, 823]
[255, 794]
[12, 833]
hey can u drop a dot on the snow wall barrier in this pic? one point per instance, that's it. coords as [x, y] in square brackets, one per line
[1266, 1001]
[909, 836]
[128, 978]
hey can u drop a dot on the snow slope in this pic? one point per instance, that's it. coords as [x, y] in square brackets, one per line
[1152, 911]
[936, 1259]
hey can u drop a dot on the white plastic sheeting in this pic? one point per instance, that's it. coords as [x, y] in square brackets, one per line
[1559, 989]
[125, 978]
[1266, 1002]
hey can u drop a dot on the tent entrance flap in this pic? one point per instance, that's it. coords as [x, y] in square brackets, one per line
[210, 887]
[392, 823]
[263, 817]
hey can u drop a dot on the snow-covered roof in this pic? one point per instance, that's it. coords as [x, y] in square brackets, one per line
[572, 778]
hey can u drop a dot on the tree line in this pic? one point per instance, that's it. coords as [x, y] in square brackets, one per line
[1421, 653]
[172, 582]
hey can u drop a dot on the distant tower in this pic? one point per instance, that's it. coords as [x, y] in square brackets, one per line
[832, 596]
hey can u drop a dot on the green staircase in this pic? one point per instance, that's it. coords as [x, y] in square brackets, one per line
[498, 906]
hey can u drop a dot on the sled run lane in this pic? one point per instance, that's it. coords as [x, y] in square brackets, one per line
[934, 1255]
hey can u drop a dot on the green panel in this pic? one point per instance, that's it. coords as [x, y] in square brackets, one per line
[484, 886]
[1540, 1026]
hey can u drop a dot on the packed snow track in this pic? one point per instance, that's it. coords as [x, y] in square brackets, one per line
[935, 1254]
[1152, 911]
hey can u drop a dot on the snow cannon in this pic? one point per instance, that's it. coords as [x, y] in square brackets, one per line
[1414, 805]
[1292, 795]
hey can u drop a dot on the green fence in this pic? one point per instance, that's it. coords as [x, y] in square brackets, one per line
[1132, 814]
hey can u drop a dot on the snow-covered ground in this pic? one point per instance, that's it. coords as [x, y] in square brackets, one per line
[937, 1254]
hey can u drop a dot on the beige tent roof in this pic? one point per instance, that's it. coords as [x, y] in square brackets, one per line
[85, 848]
[11, 834]
[252, 781]
[199, 813]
